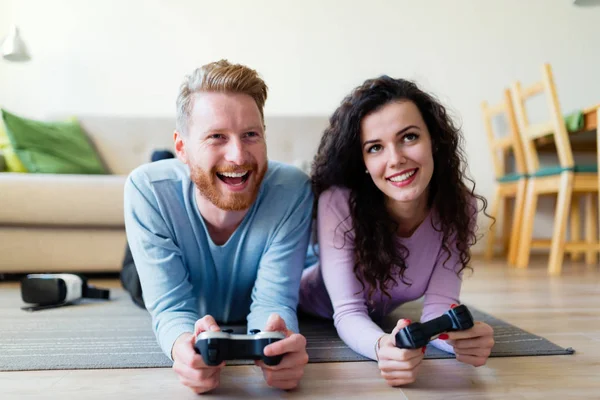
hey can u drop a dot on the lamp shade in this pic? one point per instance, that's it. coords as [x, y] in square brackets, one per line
[13, 48]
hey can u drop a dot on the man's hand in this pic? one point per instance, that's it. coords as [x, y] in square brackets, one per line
[473, 346]
[287, 374]
[189, 365]
[398, 366]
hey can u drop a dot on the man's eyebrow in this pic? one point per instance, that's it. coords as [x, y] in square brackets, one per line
[253, 128]
[217, 129]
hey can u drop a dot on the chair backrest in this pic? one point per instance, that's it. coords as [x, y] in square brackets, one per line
[555, 127]
[503, 143]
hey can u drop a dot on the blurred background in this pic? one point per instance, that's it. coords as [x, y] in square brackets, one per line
[123, 60]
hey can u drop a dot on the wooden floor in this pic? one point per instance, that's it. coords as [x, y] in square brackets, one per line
[565, 310]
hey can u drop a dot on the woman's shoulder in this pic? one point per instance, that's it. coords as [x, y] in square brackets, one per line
[335, 196]
[333, 204]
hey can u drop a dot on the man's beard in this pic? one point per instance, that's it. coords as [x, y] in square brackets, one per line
[208, 185]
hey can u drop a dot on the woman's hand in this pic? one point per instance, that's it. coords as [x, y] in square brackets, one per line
[398, 366]
[472, 346]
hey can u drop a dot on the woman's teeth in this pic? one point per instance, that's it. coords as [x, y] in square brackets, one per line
[403, 177]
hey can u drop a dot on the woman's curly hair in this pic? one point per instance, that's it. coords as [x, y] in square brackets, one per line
[339, 162]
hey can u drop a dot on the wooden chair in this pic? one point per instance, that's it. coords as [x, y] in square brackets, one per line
[564, 180]
[509, 184]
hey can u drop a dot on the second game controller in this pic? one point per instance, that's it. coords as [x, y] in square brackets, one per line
[216, 347]
[417, 334]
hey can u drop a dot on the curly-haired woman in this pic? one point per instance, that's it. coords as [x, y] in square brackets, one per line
[395, 222]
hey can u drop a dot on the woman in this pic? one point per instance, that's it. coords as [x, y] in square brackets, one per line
[395, 221]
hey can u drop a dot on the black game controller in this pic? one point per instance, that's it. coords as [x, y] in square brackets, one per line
[417, 335]
[216, 347]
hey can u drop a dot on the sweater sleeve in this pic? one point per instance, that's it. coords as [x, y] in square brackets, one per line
[445, 283]
[442, 291]
[336, 252]
[278, 279]
[167, 291]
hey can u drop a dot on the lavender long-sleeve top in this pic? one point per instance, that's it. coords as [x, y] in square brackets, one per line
[330, 288]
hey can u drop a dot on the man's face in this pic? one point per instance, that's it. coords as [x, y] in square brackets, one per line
[225, 149]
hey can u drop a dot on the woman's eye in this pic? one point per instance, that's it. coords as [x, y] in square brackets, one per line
[374, 148]
[411, 137]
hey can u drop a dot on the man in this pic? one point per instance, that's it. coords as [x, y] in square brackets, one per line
[220, 234]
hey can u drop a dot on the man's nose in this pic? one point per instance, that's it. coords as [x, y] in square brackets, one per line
[235, 152]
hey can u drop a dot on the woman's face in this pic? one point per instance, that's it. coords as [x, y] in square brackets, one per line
[397, 151]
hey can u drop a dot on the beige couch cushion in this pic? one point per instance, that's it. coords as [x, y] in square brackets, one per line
[63, 200]
[125, 143]
[61, 249]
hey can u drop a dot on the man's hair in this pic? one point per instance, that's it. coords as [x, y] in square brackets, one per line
[220, 76]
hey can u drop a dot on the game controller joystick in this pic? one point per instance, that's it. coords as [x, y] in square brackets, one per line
[417, 335]
[216, 347]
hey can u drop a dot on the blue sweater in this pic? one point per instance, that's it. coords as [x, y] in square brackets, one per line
[185, 276]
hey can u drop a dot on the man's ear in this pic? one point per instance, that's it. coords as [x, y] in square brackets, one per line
[180, 146]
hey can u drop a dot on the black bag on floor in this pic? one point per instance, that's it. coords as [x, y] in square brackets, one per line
[130, 279]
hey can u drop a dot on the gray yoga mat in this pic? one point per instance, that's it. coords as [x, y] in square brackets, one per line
[117, 334]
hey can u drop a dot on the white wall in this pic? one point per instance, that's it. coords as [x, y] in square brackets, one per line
[127, 57]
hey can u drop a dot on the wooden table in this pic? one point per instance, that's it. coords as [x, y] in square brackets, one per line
[590, 118]
[583, 140]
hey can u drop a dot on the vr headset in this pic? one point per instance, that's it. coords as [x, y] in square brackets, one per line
[55, 290]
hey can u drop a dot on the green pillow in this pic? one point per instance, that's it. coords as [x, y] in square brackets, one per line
[11, 161]
[60, 147]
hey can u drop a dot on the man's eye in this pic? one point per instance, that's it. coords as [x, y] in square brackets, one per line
[375, 148]
[216, 136]
[251, 134]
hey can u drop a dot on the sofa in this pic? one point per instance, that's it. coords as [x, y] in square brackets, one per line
[74, 223]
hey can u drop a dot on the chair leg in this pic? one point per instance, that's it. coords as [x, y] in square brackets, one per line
[526, 236]
[507, 213]
[591, 228]
[517, 221]
[561, 218]
[491, 239]
[575, 226]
